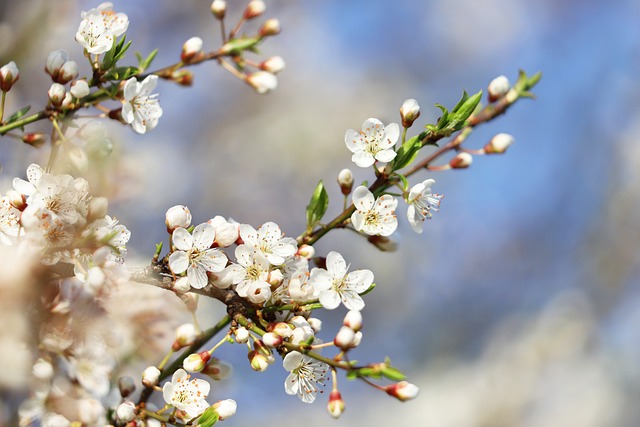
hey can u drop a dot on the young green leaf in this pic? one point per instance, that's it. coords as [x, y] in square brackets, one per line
[407, 152]
[21, 112]
[317, 205]
[463, 110]
[239, 45]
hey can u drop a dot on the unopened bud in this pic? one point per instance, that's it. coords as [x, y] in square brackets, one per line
[55, 60]
[176, 217]
[68, 72]
[182, 77]
[409, 112]
[271, 27]
[498, 88]
[306, 251]
[272, 340]
[384, 243]
[9, 74]
[186, 335]
[315, 323]
[353, 320]
[261, 348]
[402, 390]
[282, 329]
[181, 285]
[273, 65]
[258, 361]
[219, 8]
[150, 376]
[345, 338]
[345, 180]
[336, 404]
[196, 362]
[225, 408]
[498, 144]
[226, 232]
[241, 334]
[43, 370]
[461, 161]
[191, 49]
[126, 412]
[56, 94]
[254, 8]
[126, 385]
[190, 300]
[275, 278]
[35, 139]
[67, 101]
[79, 89]
[262, 81]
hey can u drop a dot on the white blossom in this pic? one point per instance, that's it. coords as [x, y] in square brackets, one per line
[186, 394]
[373, 142]
[269, 241]
[99, 27]
[374, 216]
[141, 108]
[421, 202]
[306, 375]
[250, 275]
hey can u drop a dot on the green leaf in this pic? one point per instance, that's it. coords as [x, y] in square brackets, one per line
[122, 73]
[525, 83]
[317, 205]
[444, 119]
[143, 64]
[393, 374]
[407, 152]
[236, 46]
[463, 110]
[121, 51]
[465, 97]
[405, 182]
[21, 112]
[208, 418]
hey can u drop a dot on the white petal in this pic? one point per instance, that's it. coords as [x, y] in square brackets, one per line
[357, 219]
[360, 280]
[385, 155]
[213, 260]
[329, 299]
[353, 140]
[291, 384]
[178, 262]
[249, 235]
[336, 265]
[127, 113]
[352, 301]
[130, 89]
[150, 82]
[182, 239]
[23, 187]
[362, 159]
[197, 276]
[391, 134]
[244, 255]
[203, 236]
[363, 198]
[321, 279]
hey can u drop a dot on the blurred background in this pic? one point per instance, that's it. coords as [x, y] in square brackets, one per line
[519, 305]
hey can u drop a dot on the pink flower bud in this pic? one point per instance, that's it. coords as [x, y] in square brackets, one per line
[191, 49]
[35, 139]
[219, 8]
[409, 112]
[150, 376]
[177, 216]
[126, 412]
[498, 144]
[262, 81]
[336, 404]
[461, 161]
[402, 390]
[254, 8]
[271, 27]
[498, 88]
[9, 74]
[345, 181]
[353, 320]
[345, 339]
[56, 94]
[273, 65]
[196, 362]
[225, 408]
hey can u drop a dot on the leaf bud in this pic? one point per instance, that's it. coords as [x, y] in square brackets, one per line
[336, 404]
[150, 376]
[498, 88]
[254, 9]
[273, 65]
[9, 74]
[409, 112]
[219, 8]
[262, 81]
[353, 320]
[126, 411]
[499, 144]
[177, 216]
[225, 408]
[461, 161]
[271, 27]
[345, 180]
[402, 391]
[56, 94]
[182, 77]
[191, 49]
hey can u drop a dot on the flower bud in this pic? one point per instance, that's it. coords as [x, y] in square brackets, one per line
[56, 94]
[258, 361]
[55, 60]
[68, 72]
[181, 285]
[336, 404]
[42, 370]
[191, 49]
[219, 8]
[150, 376]
[345, 339]
[271, 27]
[261, 348]
[126, 385]
[275, 279]
[498, 144]
[461, 161]
[225, 408]
[409, 112]
[241, 334]
[9, 74]
[217, 370]
[273, 65]
[357, 338]
[254, 9]
[353, 320]
[402, 390]
[498, 88]
[315, 323]
[306, 251]
[262, 81]
[272, 339]
[345, 180]
[196, 362]
[79, 89]
[186, 335]
[35, 139]
[126, 412]
[67, 101]
[177, 216]
[282, 329]
[183, 77]
[226, 232]
[384, 243]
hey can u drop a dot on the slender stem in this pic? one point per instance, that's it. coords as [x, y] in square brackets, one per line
[4, 96]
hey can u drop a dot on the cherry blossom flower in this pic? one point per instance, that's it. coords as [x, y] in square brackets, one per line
[9, 222]
[99, 27]
[373, 142]
[269, 241]
[374, 216]
[195, 256]
[305, 377]
[141, 108]
[186, 394]
[421, 202]
[336, 285]
[250, 275]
